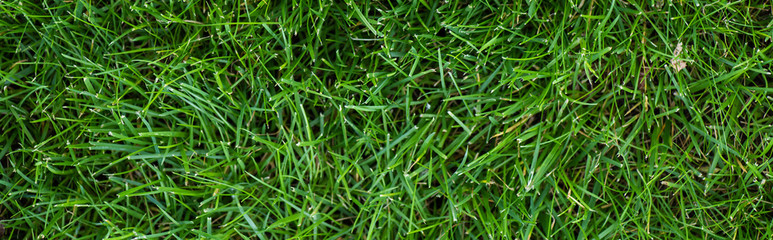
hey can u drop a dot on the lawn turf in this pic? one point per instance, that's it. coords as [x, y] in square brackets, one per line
[317, 119]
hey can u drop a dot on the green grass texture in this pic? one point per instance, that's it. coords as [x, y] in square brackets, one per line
[426, 119]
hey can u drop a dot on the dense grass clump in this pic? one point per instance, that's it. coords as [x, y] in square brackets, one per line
[352, 119]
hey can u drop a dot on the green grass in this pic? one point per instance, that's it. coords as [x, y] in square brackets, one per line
[580, 119]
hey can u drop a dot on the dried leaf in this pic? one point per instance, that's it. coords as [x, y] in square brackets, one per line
[678, 49]
[675, 62]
